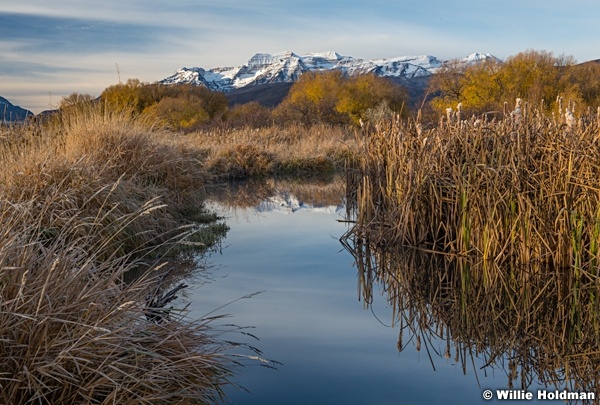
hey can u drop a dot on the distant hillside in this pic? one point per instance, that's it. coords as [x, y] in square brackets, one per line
[12, 113]
[269, 95]
[590, 62]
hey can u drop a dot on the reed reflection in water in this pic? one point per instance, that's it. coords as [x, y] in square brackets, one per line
[535, 324]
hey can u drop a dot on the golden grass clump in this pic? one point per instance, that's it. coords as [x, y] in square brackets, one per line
[92, 161]
[73, 332]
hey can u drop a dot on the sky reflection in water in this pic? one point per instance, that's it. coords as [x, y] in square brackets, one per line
[309, 318]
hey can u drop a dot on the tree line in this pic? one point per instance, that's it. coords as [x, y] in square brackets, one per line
[539, 77]
[317, 98]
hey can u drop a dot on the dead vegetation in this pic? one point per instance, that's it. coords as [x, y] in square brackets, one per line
[86, 200]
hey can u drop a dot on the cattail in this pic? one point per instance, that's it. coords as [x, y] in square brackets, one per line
[559, 99]
[517, 114]
[569, 118]
[399, 344]
[450, 114]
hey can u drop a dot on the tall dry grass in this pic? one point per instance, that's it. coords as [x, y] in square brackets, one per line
[85, 200]
[486, 234]
[518, 190]
[292, 150]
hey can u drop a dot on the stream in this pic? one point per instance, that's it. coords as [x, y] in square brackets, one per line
[283, 243]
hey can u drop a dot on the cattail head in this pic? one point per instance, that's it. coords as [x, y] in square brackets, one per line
[450, 114]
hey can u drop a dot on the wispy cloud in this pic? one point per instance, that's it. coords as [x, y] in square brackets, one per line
[48, 34]
[35, 70]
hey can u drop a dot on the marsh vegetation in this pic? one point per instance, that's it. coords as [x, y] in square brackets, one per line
[97, 213]
[486, 233]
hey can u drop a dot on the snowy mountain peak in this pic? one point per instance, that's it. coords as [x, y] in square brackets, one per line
[263, 59]
[287, 67]
[329, 55]
[479, 57]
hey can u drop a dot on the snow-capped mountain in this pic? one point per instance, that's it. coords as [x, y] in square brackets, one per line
[287, 67]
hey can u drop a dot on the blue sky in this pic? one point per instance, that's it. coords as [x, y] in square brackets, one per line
[49, 49]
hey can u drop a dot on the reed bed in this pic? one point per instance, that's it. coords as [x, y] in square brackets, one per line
[87, 200]
[485, 234]
[523, 323]
[517, 190]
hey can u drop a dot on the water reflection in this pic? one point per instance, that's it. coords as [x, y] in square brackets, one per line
[282, 195]
[536, 325]
[309, 316]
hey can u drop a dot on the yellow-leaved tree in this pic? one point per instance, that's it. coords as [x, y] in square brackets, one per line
[365, 92]
[182, 106]
[332, 98]
[535, 76]
[182, 114]
[312, 99]
[124, 96]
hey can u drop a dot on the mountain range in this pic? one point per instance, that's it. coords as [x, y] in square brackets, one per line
[287, 67]
[267, 77]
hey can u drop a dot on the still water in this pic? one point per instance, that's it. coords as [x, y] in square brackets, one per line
[284, 243]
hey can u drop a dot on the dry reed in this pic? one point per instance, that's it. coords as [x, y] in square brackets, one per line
[514, 190]
[510, 210]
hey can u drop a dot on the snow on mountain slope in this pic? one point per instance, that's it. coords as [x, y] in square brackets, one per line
[288, 66]
[288, 203]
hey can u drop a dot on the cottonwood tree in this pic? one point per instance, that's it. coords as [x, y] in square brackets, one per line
[251, 114]
[447, 86]
[535, 76]
[365, 92]
[332, 98]
[75, 101]
[182, 106]
[312, 99]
